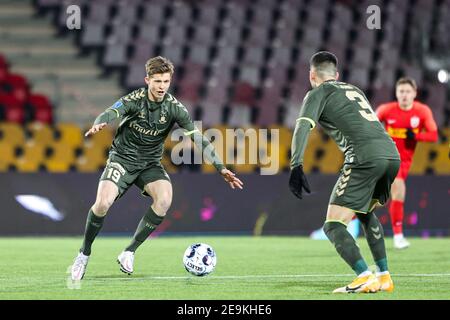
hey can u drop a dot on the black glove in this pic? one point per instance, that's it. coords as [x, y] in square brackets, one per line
[298, 182]
[410, 135]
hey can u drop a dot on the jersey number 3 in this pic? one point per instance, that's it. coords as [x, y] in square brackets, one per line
[367, 111]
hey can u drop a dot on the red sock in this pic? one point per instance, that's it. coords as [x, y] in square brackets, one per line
[396, 212]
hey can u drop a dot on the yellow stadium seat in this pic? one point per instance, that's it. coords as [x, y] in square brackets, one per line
[441, 163]
[11, 133]
[92, 158]
[41, 133]
[7, 155]
[275, 162]
[284, 134]
[245, 162]
[421, 159]
[62, 157]
[101, 139]
[32, 157]
[70, 134]
[332, 160]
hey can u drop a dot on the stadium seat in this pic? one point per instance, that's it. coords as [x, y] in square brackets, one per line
[40, 132]
[240, 116]
[135, 76]
[204, 35]
[262, 15]
[281, 57]
[332, 159]
[7, 151]
[101, 139]
[115, 55]
[154, 13]
[208, 15]
[148, 33]
[421, 159]
[289, 14]
[211, 113]
[250, 75]
[14, 113]
[441, 163]
[99, 12]
[42, 108]
[61, 157]
[93, 35]
[11, 133]
[199, 54]
[230, 37]
[70, 134]
[31, 158]
[92, 158]
[243, 93]
[258, 36]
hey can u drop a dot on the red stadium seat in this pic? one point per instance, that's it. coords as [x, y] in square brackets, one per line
[244, 93]
[12, 108]
[16, 80]
[3, 63]
[42, 108]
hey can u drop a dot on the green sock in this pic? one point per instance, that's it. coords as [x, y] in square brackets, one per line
[345, 245]
[375, 238]
[146, 226]
[93, 225]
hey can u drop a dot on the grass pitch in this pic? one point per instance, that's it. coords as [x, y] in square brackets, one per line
[252, 268]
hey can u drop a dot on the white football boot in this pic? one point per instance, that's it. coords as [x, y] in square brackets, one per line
[400, 242]
[79, 267]
[126, 261]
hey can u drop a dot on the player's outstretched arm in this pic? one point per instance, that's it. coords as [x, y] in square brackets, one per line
[210, 153]
[95, 128]
[110, 114]
[231, 178]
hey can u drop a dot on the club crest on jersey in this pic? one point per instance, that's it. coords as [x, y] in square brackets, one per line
[142, 115]
[415, 121]
[163, 118]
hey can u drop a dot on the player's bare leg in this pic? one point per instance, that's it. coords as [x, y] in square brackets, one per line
[335, 228]
[161, 193]
[106, 193]
[398, 193]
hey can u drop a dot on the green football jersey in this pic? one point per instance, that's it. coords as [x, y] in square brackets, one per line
[345, 114]
[144, 126]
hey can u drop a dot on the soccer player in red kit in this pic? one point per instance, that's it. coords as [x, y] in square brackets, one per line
[407, 121]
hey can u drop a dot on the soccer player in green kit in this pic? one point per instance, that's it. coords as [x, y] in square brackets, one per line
[147, 116]
[370, 166]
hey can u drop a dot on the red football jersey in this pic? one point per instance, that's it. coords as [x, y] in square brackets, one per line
[397, 121]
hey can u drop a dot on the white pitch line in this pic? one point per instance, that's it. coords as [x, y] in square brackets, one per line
[270, 276]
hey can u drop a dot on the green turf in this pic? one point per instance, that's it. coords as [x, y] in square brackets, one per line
[247, 268]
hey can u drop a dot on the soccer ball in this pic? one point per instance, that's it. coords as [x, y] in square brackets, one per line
[199, 259]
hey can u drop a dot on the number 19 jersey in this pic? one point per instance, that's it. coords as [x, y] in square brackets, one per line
[345, 114]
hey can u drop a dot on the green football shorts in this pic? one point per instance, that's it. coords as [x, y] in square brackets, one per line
[124, 179]
[358, 184]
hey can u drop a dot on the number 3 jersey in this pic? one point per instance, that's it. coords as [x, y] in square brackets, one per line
[344, 113]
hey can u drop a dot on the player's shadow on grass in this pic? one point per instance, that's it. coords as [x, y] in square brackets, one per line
[319, 286]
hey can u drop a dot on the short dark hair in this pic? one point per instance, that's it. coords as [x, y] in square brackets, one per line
[407, 80]
[158, 65]
[324, 62]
